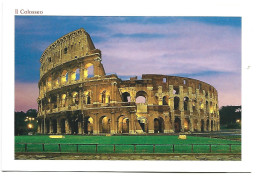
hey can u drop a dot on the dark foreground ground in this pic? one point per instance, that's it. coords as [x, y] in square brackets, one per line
[76, 156]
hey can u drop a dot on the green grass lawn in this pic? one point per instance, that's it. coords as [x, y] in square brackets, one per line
[180, 146]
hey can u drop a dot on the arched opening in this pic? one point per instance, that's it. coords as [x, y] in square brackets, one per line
[211, 110]
[86, 97]
[63, 100]
[202, 125]
[104, 97]
[141, 97]
[57, 83]
[54, 126]
[194, 105]
[75, 98]
[62, 126]
[186, 125]
[47, 121]
[185, 103]
[207, 106]
[212, 125]
[176, 90]
[207, 125]
[88, 71]
[158, 125]
[104, 125]
[195, 125]
[64, 77]
[142, 122]
[75, 76]
[74, 126]
[49, 82]
[126, 97]
[176, 103]
[165, 100]
[177, 124]
[88, 125]
[123, 124]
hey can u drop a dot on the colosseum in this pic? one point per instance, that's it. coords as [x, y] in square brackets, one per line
[77, 97]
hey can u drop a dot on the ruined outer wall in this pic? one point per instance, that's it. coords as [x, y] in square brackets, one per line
[71, 100]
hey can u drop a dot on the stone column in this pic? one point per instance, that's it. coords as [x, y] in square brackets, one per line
[58, 102]
[113, 123]
[159, 95]
[150, 95]
[95, 124]
[81, 72]
[80, 99]
[80, 127]
[132, 122]
[199, 125]
[181, 108]
[150, 124]
[167, 124]
[182, 121]
[50, 127]
[191, 125]
[45, 125]
[67, 127]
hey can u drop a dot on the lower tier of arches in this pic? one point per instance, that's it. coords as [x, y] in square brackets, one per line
[123, 123]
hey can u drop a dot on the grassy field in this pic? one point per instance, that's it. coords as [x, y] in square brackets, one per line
[165, 144]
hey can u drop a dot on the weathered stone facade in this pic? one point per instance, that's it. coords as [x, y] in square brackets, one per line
[71, 101]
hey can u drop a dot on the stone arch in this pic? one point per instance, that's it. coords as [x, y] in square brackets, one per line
[142, 122]
[176, 103]
[196, 125]
[88, 70]
[86, 97]
[141, 97]
[165, 100]
[64, 77]
[207, 125]
[186, 125]
[194, 105]
[123, 124]
[88, 125]
[54, 126]
[202, 125]
[62, 126]
[126, 97]
[158, 125]
[75, 76]
[49, 82]
[177, 124]
[75, 98]
[63, 100]
[185, 103]
[104, 124]
[176, 90]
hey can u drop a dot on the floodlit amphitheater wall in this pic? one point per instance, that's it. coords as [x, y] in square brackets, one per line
[77, 97]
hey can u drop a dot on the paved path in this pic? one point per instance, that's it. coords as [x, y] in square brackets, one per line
[188, 157]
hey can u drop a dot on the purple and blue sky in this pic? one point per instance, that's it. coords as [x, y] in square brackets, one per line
[204, 48]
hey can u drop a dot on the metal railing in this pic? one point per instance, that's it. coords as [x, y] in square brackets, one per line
[134, 146]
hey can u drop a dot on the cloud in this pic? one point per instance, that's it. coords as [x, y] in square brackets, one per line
[184, 47]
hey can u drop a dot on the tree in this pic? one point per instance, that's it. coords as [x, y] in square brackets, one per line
[230, 116]
[22, 120]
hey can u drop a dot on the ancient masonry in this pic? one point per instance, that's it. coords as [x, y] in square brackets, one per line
[77, 97]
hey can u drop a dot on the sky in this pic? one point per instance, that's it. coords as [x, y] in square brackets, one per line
[203, 48]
